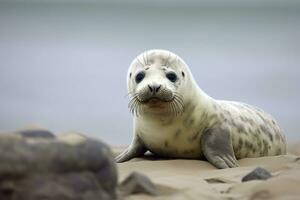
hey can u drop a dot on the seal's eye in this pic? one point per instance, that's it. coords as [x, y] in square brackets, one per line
[139, 77]
[171, 76]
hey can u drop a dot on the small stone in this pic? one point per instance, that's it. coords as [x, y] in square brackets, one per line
[257, 174]
[137, 183]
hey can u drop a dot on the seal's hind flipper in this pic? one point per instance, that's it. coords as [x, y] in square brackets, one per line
[217, 148]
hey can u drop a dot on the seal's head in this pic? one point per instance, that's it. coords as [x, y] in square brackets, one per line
[157, 82]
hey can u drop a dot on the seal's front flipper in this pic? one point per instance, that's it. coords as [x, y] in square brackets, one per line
[217, 148]
[134, 150]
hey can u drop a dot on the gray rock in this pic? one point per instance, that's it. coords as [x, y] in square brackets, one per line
[36, 133]
[257, 174]
[137, 183]
[48, 168]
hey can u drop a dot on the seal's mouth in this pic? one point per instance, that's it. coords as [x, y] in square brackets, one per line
[173, 104]
[155, 102]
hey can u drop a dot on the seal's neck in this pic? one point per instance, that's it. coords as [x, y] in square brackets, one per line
[200, 101]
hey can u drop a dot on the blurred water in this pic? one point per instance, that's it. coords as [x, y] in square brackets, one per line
[63, 65]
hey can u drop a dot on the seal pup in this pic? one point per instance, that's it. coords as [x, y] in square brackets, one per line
[174, 118]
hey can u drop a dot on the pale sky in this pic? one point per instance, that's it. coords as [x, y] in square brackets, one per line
[63, 66]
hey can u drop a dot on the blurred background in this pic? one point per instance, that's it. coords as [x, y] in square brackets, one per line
[63, 64]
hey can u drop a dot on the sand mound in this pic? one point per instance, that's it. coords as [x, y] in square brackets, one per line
[194, 179]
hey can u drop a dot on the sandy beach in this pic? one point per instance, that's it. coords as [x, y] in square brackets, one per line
[194, 179]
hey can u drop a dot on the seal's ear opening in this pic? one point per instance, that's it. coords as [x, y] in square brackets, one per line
[182, 74]
[130, 75]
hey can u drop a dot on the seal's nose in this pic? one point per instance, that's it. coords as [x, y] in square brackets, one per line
[154, 88]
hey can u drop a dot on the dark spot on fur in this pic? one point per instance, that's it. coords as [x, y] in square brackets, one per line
[194, 137]
[166, 143]
[192, 108]
[222, 116]
[191, 121]
[240, 143]
[258, 131]
[204, 117]
[227, 113]
[259, 144]
[186, 152]
[265, 148]
[166, 121]
[262, 117]
[282, 137]
[215, 106]
[177, 133]
[240, 128]
[249, 130]
[248, 145]
[189, 108]
[251, 121]
[147, 68]
[247, 120]
[182, 74]
[242, 118]
[278, 151]
[212, 117]
[130, 75]
[270, 136]
[263, 128]
[188, 118]
[232, 122]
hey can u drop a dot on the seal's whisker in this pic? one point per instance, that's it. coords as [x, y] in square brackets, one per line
[147, 58]
[173, 108]
[129, 93]
[132, 101]
[134, 95]
[178, 100]
[178, 94]
[140, 109]
[134, 104]
[132, 108]
[131, 105]
[140, 62]
[179, 105]
[179, 109]
[137, 108]
[167, 60]
[180, 97]
[177, 60]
